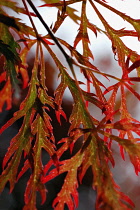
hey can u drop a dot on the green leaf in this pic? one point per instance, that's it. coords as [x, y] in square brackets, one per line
[134, 22]
[118, 46]
[12, 158]
[108, 194]
[9, 21]
[8, 47]
[43, 131]
[68, 193]
[83, 34]
[69, 10]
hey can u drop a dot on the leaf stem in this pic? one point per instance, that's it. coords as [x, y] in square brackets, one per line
[67, 57]
[48, 30]
[25, 5]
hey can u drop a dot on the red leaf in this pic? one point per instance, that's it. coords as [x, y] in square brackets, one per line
[24, 169]
[136, 163]
[132, 91]
[3, 76]
[126, 199]
[34, 185]
[135, 65]
[59, 113]
[47, 41]
[25, 76]
[5, 94]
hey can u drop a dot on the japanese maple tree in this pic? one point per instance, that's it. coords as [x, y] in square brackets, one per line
[96, 135]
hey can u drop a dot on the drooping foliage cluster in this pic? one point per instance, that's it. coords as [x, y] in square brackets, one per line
[36, 133]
